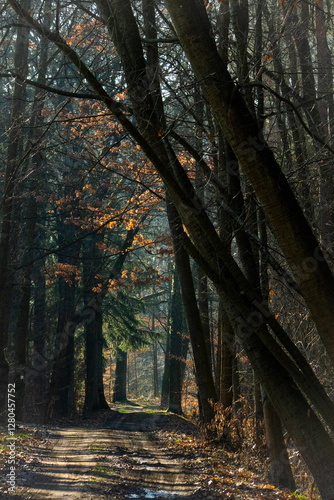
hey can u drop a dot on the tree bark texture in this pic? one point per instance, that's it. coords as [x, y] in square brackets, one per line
[280, 470]
[61, 391]
[175, 360]
[203, 372]
[275, 195]
[282, 211]
[15, 143]
[119, 394]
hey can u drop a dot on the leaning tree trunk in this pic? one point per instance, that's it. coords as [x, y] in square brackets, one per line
[326, 112]
[203, 372]
[314, 443]
[282, 211]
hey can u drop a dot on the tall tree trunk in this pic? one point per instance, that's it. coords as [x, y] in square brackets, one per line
[155, 370]
[240, 21]
[280, 470]
[285, 217]
[94, 388]
[203, 372]
[91, 347]
[258, 410]
[60, 397]
[61, 391]
[31, 186]
[176, 361]
[40, 362]
[22, 324]
[326, 112]
[101, 399]
[226, 355]
[203, 307]
[166, 375]
[93, 312]
[15, 141]
[301, 25]
[119, 394]
[237, 401]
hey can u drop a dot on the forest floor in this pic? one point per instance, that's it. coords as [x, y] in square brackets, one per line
[128, 452]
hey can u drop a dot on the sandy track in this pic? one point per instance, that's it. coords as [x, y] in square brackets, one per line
[119, 460]
[65, 467]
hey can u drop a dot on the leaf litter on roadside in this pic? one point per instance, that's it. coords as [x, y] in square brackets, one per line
[220, 471]
[29, 441]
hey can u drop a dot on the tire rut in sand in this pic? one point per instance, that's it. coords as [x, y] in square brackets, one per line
[65, 467]
[119, 460]
[148, 471]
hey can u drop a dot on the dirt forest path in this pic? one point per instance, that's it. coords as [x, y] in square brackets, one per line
[119, 459]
